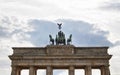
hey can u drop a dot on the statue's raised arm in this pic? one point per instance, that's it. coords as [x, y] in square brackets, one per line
[59, 25]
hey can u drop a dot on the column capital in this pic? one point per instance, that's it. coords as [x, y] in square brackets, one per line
[49, 66]
[88, 65]
[106, 65]
[71, 67]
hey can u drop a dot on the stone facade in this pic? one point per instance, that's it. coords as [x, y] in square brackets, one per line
[60, 57]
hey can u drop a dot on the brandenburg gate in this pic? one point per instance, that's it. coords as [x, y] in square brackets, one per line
[62, 55]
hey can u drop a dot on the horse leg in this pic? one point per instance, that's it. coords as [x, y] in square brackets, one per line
[68, 42]
[64, 42]
[52, 42]
[56, 42]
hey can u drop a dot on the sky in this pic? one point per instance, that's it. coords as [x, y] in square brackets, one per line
[27, 23]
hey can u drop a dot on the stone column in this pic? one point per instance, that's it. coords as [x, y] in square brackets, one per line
[14, 69]
[71, 70]
[32, 70]
[88, 70]
[49, 70]
[18, 72]
[107, 71]
[102, 70]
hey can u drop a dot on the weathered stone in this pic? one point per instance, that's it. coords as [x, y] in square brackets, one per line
[60, 56]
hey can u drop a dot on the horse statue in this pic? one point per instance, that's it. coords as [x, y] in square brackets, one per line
[69, 39]
[51, 39]
[60, 38]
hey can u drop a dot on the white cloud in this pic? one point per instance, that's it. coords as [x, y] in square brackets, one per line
[113, 5]
[12, 33]
[114, 62]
